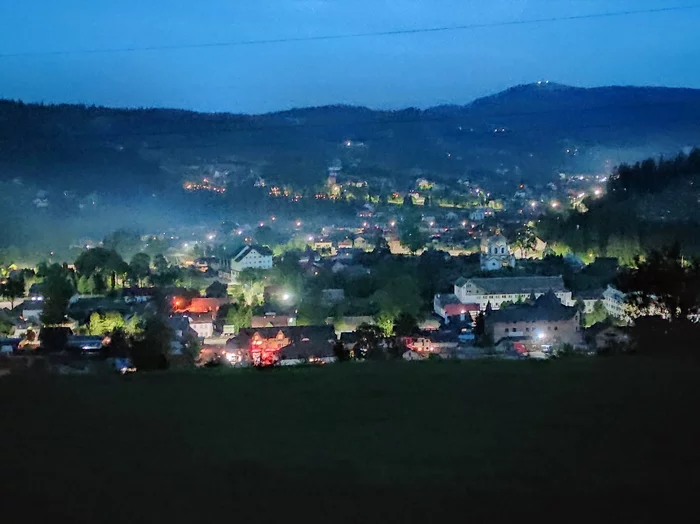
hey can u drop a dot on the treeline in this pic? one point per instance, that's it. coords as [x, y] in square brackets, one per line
[652, 176]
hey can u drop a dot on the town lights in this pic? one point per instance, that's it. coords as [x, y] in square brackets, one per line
[597, 192]
[541, 336]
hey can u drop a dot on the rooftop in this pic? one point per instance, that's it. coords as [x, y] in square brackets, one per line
[516, 285]
[546, 308]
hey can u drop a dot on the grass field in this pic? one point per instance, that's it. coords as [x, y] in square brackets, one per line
[400, 442]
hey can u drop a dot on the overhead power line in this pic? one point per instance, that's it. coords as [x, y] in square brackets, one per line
[396, 32]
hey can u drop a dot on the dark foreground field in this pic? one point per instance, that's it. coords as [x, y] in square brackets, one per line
[616, 440]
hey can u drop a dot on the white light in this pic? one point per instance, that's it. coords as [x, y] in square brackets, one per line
[286, 296]
[597, 192]
[581, 195]
[310, 238]
[210, 237]
[392, 223]
[533, 205]
[541, 336]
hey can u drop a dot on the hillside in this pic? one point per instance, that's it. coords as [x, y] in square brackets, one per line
[522, 133]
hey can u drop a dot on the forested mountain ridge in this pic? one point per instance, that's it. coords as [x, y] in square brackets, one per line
[528, 132]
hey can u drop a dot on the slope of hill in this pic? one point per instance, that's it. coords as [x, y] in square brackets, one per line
[527, 132]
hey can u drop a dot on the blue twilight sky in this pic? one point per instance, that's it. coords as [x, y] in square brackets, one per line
[381, 72]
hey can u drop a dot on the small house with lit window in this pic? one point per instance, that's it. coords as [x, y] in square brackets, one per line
[545, 320]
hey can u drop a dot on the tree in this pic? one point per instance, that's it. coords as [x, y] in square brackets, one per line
[367, 345]
[599, 314]
[385, 322]
[57, 290]
[405, 325]
[85, 285]
[239, 315]
[217, 290]
[151, 348]
[140, 267]
[96, 324]
[106, 263]
[341, 354]
[160, 263]
[664, 283]
[480, 325]
[191, 347]
[410, 235]
[12, 289]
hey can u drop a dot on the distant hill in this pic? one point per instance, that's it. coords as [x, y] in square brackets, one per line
[528, 132]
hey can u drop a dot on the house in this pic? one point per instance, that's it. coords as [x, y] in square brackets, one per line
[330, 297]
[204, 264]
[287, 345]
[495, 291]
[448, 305]
[546, 320]
[251, 257]
[615, 303]
[273, 320]
[31, 310]
[202, 324]
[495, 254]
[433, 343]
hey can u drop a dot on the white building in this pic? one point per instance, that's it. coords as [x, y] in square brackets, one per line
[495, 291]
[615, 303]
[496, 254]
[255, 257]
[203, 324]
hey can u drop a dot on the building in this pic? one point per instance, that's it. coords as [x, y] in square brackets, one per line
[251, 257]
[286, 345]
[496, 254]
[273, 320]
[449, 306]
[202, 323]
[589, 299]
[201, 305]
[615, 304]
[495, 291]
[546, 321]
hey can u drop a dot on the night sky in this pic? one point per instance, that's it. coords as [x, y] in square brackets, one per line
[379, 71]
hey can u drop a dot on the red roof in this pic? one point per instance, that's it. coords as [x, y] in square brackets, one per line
[454, 310]
[205, 305]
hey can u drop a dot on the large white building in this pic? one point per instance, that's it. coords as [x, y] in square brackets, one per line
[495, 291]
[496, 254]
[255, 257]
